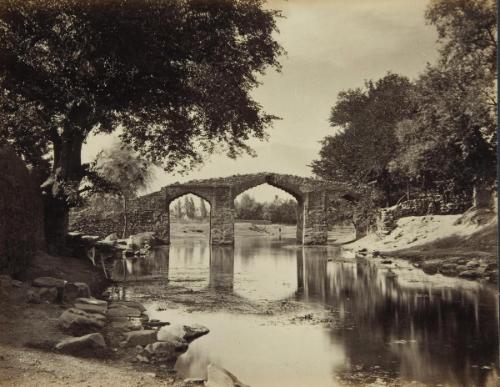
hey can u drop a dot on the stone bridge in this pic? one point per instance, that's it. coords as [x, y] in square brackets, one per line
[312, 195]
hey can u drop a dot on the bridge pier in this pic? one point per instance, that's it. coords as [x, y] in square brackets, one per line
[312, 226]
[222, 217]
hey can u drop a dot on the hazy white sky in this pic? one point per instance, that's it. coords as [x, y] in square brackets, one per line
[332, 45]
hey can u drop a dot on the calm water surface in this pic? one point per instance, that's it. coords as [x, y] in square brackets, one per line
[314, 316]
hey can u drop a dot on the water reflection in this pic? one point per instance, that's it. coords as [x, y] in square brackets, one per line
[380, 324]
[222, 268]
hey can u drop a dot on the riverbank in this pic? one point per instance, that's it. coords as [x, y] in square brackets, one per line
[453, 245]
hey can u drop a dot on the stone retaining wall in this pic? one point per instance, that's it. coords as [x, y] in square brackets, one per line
[426, 205]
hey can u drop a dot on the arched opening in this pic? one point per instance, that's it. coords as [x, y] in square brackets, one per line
[266, 211]
[189, 218]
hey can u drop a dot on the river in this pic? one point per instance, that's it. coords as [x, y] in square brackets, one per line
[286, 315]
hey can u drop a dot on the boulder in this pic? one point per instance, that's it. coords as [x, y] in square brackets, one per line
[449, 269]
[89, 345]
[471, 274]
[219, 377]
[194, 331]
[101, 309]
[70, 292]
[181, 332]
[165, 351]
[123, 311]
[79, 322]
[33, 297]
[91, 301]
[429, 267]
[472, 264]
[171, 332]
[143, 338]
[129, 304]
[48, 294]
[49, 282]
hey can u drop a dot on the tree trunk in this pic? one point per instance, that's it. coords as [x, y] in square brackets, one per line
[125, 217]
[67, 175]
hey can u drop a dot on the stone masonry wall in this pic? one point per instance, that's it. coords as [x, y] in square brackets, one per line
[425, 205]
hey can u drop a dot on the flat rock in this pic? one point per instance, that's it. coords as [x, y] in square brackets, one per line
[219, 377]
[101, 309]
[471, 274]
[91, 301]
[193, 382]
[89, 345]
[49, 282]
[123, 311]
[143, 338]
[181, 332]
[78, 322]
[128, 304]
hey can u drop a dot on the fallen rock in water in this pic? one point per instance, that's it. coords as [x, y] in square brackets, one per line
[78, 322]
[142, 338]
[181, 332]
[193, 382]
[219, 377]
[429, 267]
[471, 274]
[88, 345]
[449, 269]
[194, 331]
[164, 351]
[49, 282]
[153, 323]
[386, 261]
[171, 332]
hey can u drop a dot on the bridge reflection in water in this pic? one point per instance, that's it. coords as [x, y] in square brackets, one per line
[416, 329]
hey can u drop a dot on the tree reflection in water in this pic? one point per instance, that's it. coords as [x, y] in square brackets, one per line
[416, 331]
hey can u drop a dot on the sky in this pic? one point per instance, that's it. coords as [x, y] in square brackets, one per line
[332, 45]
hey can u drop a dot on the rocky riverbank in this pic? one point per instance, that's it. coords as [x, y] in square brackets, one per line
[46, 321]
[463, 246]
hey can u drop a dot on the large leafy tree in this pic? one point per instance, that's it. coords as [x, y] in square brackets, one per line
[453, 134]
[173, 75]
[364, 143]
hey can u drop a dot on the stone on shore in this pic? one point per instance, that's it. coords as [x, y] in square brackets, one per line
[91, 301]
[78, 322]
[74, 290]
[123, 311]
[128, 304]
[49, 282]
[181, 332]
[101, 309]
[164, 351]
[48, 294]
[219, 377]
[89, 345]
[143, 338]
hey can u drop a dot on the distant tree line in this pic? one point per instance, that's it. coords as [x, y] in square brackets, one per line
[277, 211]
[187, 209]
[436, 133]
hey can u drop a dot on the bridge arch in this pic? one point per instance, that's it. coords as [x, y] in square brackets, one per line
[313, 197]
